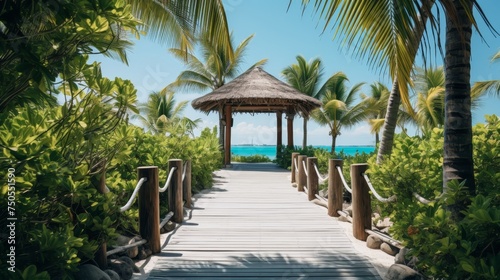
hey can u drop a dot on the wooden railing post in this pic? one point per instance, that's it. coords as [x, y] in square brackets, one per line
[361, 204]
[149, 207]
[301, 178]
[187, 184]
[294, 174]
[312, 178]
[100, 255]
[335, 188]
[175, 191]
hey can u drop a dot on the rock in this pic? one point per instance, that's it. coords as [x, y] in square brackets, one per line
[373, 242]
[112, 274]
[144, 253]
[90, 272]
[402, 272]
[123, 269]
[342, 219]
[384, 223]
[169, 226]
[125, 240]
[401, 256]
[323, 193]
[389, 249]
[131, 263]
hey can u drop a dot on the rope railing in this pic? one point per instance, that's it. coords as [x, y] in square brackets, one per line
[305, 168]
[184, 171]
[296, 165]
[376, 194]
[166, 219]
[321, 179]
[343, 179]
[169, 178]
[125, 247]
[421, 199]
[134, 194]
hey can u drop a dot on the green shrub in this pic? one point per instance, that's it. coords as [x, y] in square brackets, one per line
[467, 249]
[250, 159]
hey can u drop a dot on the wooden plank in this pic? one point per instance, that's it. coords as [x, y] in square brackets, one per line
[253, 225]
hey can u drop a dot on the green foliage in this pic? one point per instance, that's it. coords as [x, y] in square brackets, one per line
[467, 249]
[251, 159]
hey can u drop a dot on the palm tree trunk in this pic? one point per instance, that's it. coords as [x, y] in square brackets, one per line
[458, 160]
[334, 140]
[377, 139]
[389, 128]
[304, 139]
[391, 115]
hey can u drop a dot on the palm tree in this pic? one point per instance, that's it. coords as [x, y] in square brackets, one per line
[213, 72]
[160, 114]
[491, 86]
[429, 88]
[304, 76]
[338, 110]
[183, 21]
[382, 30]
[377, 104]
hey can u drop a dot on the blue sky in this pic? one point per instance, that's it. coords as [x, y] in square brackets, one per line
[279, 36]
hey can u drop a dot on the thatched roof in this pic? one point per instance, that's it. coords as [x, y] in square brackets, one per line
[257, 91]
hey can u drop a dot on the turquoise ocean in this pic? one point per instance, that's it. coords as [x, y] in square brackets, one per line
[270, 151]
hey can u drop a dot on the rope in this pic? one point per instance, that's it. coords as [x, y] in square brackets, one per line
[321, 179]
[385, 238]
[169, 178]
[378, 196]
[305, 168]
[345, 215]
[343, 179]
[184, 171]
[296, 165]
[123, 248]
[421, 199]
[320, 197]
[166, 219]
[134, 194]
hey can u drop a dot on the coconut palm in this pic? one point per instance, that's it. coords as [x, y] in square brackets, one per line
[160, 114]
[304, 76]
[492, 86]
[182, 21]
[383, 29]
[377, 104]
[212, 70]
[338, 109]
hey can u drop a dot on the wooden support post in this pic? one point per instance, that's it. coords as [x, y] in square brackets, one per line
[279, 134]
[187, 185]
[289, 127]
[175, 191]
[227, 143]
[335, 188]
[312, 178]
[361, 204]
[149, 207]
[293, 166]
[100, 255]
[301, 178]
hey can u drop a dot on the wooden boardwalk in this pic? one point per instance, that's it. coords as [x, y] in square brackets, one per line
[254, 225]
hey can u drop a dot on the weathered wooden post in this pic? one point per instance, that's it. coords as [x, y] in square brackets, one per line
[335, 187]
[175, 191]
[312, 178]
[149, 207]
[293, 166]
[187, 184]
[301, 178]
[361, 204]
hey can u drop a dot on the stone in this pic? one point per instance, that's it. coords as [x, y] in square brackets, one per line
[112, 274]
[90, 272]
[402, 272]
[386, 222]
[389, 249]
[169, 226]
[125, 240]
[401, 256]
[323, 193]
[342, 219]
[349, 210]
[131, 263]
[123, 269]
[373, 242]
[144, 253]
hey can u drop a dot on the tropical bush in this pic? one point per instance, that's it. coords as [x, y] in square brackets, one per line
[466, 247]
[250, 159]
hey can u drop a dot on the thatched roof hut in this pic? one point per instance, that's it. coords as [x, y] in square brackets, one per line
[256, 91]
